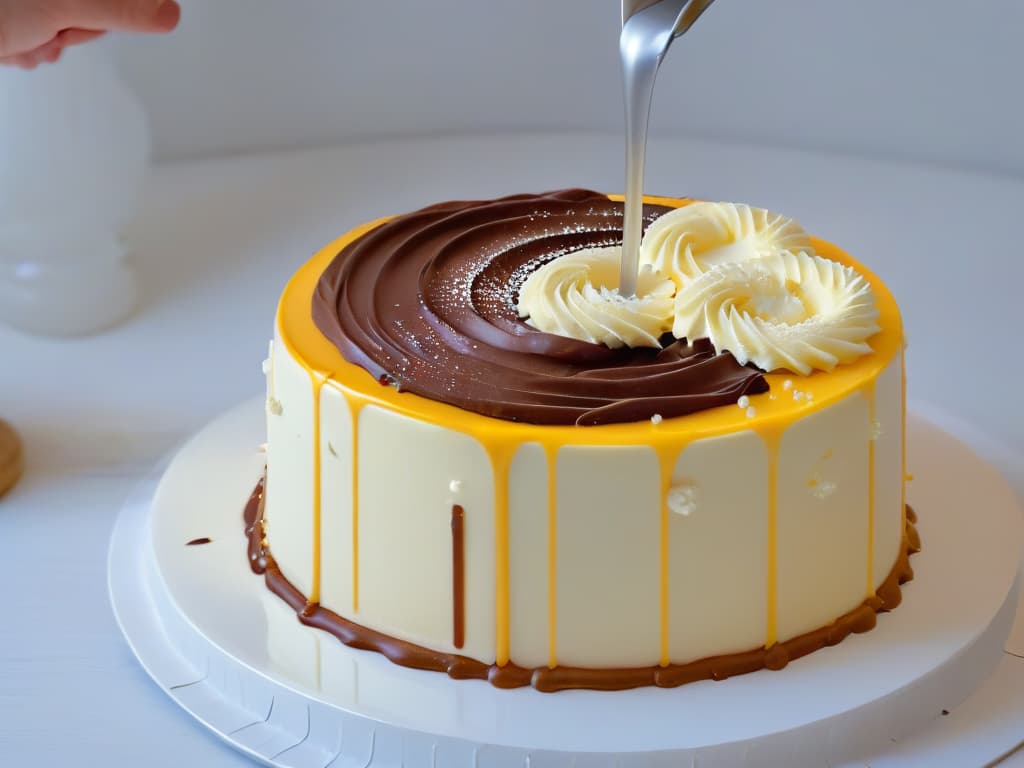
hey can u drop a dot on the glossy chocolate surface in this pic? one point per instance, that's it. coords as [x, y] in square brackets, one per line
[426, 302]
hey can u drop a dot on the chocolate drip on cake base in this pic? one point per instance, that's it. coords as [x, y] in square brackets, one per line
[559, 678]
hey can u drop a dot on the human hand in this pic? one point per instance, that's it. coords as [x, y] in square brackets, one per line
[37, 31]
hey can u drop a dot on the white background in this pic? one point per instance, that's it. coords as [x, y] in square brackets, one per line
[932, 80]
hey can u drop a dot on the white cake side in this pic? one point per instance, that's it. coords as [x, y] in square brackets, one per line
[602, 604]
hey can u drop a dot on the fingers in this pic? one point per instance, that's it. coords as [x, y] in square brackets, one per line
[23, 27]
[120, 15]
[20, 61]
[69, 37]
[50, 52]
[44, 54]
[29, 27]
[167, 16]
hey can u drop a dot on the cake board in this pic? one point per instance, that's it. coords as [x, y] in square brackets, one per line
[233, 655]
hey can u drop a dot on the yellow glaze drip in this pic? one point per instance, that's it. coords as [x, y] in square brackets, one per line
[355, 405]
[501, 439]
[318, 380]
[355, 402]
[772, 440]
[869, 393]
[551, 454]
[501, 453]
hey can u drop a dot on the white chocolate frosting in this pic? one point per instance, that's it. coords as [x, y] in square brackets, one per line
[688, 241]
[576, 295]
[790, 311]
[745, 278]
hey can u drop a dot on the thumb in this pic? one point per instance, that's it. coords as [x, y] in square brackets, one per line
[117, 15]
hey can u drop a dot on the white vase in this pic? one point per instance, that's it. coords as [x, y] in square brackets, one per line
[74, 148]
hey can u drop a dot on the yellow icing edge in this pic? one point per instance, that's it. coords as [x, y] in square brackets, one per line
[316, 353]
[501, 439]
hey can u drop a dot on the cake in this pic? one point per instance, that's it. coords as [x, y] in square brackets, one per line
[483, 461]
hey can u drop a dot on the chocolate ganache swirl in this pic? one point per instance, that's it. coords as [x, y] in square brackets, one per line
[426, 302]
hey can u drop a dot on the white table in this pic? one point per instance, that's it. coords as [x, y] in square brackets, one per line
[215, 242]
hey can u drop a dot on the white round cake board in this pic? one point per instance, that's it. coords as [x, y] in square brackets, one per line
[233, 655]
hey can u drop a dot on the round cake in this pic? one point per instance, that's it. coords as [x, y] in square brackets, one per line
[482, 460]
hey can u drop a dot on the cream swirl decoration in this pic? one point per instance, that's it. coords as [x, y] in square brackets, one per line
[576, 295]
[744, 278]
[790, 311]
[692, 239]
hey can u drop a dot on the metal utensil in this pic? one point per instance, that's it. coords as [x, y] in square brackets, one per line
[648, 29]
[685, 19]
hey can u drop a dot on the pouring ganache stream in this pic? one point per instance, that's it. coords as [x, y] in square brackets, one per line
[648, 29]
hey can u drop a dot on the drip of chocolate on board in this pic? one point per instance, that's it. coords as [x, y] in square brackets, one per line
[199, 541]
[548, 679]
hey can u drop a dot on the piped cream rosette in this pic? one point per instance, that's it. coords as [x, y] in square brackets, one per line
[576, 295]
[744, 278]
[688, 241]
[786, 310]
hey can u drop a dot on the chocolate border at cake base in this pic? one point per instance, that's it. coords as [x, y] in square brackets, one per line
[559, 678]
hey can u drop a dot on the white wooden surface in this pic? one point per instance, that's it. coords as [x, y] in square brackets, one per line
[216, 241]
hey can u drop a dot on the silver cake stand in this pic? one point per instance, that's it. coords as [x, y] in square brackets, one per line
[231, 654]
